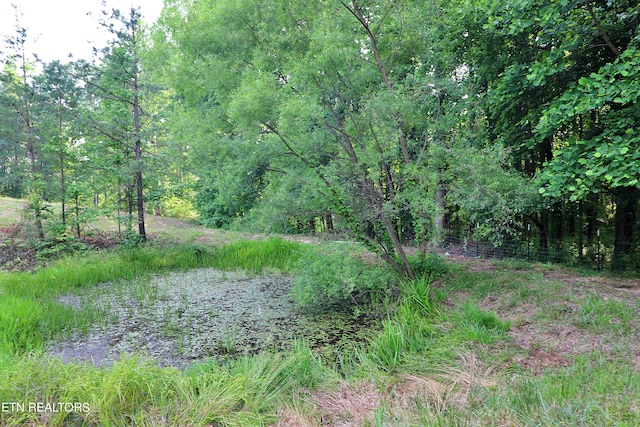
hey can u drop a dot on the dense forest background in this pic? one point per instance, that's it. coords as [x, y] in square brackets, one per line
[398, 123]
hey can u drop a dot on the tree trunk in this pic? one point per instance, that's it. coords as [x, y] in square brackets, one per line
[36, 197]
[439, 221]
[62, 183]
[625, 221]
[77, 200]
[136, 121]
[580, 231]
[328, 218]
[558, 229]
[591, 212]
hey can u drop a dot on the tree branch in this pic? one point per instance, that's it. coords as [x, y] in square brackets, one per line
[603, 33]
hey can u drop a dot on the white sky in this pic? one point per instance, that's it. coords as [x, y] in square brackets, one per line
[56, 28]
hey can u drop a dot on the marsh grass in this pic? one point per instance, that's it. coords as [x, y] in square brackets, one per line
[135, 391]
[25, 324]
[258, 256]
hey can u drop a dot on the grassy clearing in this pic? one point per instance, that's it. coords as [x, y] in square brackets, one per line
[10, 210]
[485, 344]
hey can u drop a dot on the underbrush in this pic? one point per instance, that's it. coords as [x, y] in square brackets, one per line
[334, 275]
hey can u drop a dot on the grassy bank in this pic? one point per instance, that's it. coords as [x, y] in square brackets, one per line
[476, 344]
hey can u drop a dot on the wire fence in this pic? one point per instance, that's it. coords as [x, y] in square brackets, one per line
[595, 254]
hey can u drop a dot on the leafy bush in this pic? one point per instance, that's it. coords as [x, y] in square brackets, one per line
[326, 278]
[432, 265]
[177, 207]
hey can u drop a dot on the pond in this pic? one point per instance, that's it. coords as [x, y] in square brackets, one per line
[184, 317]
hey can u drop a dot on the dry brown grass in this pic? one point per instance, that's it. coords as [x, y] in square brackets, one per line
[356, 404]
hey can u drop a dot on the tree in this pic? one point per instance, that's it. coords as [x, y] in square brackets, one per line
[58, 101]
[17, 98]
[346, 90]
[117, 84]
[528, 58]
[606, 158]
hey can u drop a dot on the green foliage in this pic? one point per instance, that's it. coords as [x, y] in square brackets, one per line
[233, 180]
[481, 326]
[431, 266]
[289, 204]
[609, 159]
[256, 256]
[47, 250]
[326, 277]
[177, 207]
[490, 195]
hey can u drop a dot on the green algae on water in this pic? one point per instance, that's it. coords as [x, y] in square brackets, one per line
[185, 317]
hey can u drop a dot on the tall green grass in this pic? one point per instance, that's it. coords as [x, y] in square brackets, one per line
[76, 271]
[136, 392]
[258, 256]
[26, 324]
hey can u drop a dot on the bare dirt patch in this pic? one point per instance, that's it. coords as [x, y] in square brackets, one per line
[554, 324]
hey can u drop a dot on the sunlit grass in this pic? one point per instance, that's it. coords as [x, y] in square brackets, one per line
[256, 256]
[10, 210]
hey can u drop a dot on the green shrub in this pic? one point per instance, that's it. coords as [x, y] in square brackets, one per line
[432, 265]
[326, 278]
